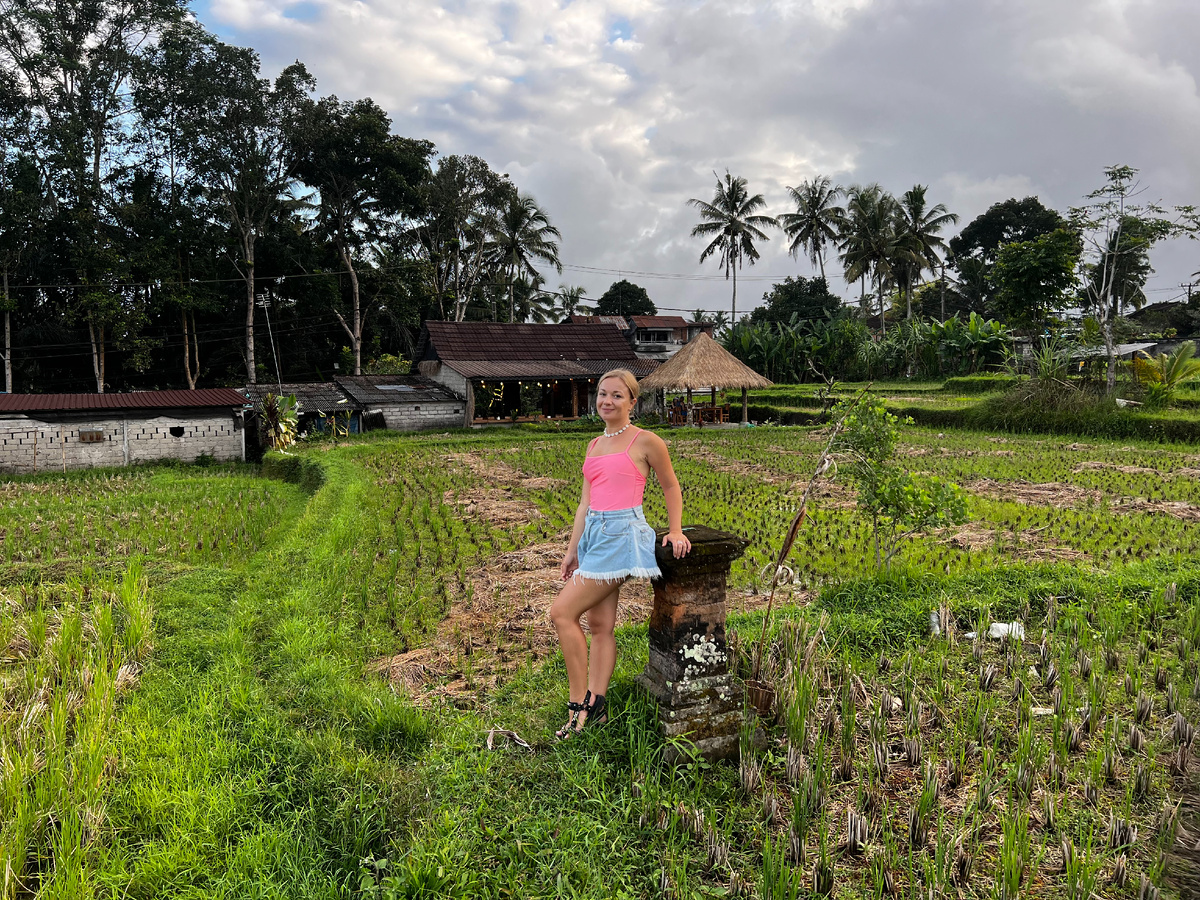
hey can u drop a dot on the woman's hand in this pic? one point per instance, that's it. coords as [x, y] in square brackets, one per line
[680, 545]
[570, 563]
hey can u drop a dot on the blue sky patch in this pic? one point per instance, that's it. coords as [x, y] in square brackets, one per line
[303, 11]
[621, 29]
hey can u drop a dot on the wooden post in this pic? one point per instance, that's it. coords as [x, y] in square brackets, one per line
[688, 672]
[574, 399]
[745, 406]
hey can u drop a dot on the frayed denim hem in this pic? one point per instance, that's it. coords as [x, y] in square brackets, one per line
[619, 575]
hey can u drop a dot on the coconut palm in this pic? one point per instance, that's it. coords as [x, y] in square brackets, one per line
[817, 220]
[917, 227]
[522, 235]
[732, 223]
[869, 243]
[1162, 375]
[570, 301]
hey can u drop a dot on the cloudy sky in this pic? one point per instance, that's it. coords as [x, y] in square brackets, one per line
[613, 113]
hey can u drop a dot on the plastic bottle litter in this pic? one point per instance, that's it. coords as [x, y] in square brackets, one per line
[998, 631]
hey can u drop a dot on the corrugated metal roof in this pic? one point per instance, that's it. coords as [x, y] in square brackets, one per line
[548, 368]
[660, 322]
[502, 342]
[373, 390]
[198, 399]
[618, 321]
[313, 396]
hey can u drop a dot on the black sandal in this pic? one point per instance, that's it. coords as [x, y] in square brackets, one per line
[576, 708]
[598, 709]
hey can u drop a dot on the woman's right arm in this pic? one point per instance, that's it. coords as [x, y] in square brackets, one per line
[570, 560]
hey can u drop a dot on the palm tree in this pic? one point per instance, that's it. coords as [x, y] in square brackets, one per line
[817, 220]
[731, 222]
[523, 234]
[869, 244]
[570, 301]
[917, 227]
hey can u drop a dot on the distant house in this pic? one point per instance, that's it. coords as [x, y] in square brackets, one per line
[652, 337]
[523, 372]
[40, 432]
[405, 402]
[318, 402]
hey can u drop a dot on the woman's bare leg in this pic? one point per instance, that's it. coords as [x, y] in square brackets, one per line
[577, 597]
[602, 620]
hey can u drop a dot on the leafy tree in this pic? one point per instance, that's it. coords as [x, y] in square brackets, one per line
[973, 250]
[1127, 258]
[1109, 256]
[624, 298]
[239, 143]
[365, 177]
[817, 220]
[523, 235]
[461, 204]
[802, 298]
[23, 206]
[733, 223]
[899, 503]
[72, 64]
[1032, 279]
[869, 242]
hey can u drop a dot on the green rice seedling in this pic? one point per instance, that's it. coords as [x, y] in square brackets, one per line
[822, 874]
[1080, 867]
[779, 880]
[1015, 853]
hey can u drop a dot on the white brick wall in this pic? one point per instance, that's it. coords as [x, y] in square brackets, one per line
[430, 414]
[129, 439]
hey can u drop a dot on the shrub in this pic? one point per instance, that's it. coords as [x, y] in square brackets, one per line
[979, 384]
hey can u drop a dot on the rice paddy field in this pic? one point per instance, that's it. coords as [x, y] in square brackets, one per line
[218, 685]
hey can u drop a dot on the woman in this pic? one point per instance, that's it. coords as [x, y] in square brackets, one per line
[610, 543]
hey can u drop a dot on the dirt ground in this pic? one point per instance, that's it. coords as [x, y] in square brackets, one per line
[502, 622]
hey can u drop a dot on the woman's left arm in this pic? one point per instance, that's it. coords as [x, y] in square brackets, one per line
[659, 460]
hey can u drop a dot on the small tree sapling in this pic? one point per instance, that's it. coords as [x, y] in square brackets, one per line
[899, 503]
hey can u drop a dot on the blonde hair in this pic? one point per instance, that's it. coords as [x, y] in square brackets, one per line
[627, 378]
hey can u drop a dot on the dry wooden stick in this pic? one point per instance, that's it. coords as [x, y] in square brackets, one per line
[824, 461]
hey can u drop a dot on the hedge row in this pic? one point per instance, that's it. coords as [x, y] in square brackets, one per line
[301, 470]
[979, 384]
[1101, 423]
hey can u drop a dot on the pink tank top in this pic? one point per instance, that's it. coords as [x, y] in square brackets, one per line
[615, 479]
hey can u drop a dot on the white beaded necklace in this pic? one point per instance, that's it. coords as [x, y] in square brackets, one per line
[615, 433]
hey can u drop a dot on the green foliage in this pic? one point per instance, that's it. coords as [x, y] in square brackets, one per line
[278, 418]
[1163, 375]
[624, 298]
[388, 364]
[1032, 279]
[898, 503]
[796, 299]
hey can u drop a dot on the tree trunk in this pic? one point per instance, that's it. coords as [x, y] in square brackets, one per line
[356, 330]
[882, 322]
[908, 299]
[1110, 349]
[7, 339]
[733, 307]
[96, 335]
[248, 246]
[821, 263]
[745, 406]
[187, 353]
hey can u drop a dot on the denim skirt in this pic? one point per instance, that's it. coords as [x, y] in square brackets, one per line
[616, 544]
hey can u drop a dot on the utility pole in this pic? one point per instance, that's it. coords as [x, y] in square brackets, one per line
[265, 303]
[943, 290]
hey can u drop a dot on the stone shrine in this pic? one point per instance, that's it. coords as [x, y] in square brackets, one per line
[688, 672]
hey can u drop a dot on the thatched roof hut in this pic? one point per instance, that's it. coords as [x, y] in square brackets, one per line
[704, 364]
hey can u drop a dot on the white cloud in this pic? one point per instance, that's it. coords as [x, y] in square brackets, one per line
[614, 112]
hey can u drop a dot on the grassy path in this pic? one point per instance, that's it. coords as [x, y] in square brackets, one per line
[255, 760]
